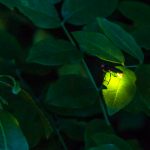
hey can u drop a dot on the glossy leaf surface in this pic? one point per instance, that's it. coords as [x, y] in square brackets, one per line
[121, 38]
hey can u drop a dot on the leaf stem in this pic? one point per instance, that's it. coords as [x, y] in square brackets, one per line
[68, 34]
[58, 133]
[102, 103]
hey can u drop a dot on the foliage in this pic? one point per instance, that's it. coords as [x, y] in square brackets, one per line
[74, 74]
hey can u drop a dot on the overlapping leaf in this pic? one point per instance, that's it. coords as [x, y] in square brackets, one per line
[80, 12]
[53, 52]
[11, 137]
[71, 91]
[31, 119]
[141, 35]
[121, 38]
[42, 13]
[139, 12]
[97, 44]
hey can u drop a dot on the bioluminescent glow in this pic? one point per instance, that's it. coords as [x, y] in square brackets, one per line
[119, 75]
[120, 89]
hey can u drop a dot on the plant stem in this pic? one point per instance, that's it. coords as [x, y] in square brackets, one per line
[89, 74]
[68, 34]
[102, 103]
[58, 133]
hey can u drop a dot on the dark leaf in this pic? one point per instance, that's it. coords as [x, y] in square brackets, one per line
[139, 12]
[80, 12]
[99, 45]
[71, 91]
[53, 52]
[143, 83]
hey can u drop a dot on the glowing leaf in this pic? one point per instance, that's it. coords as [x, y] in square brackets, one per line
[120, 89]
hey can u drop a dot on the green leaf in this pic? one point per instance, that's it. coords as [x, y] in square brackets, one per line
[141, 35]
[97, 44]
[93, 127]
[77, 11]
[42, 125]
[143, 83]
[137, 11]
[32, 120]
[120, 89]
[75, 112]
[121, 38]
[42, 13]
[11, 137]
[137, 105]
[10, 48]
[71, 91]
[53, 52]
[111, 140]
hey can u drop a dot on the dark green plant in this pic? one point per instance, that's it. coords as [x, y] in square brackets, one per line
[74, 75]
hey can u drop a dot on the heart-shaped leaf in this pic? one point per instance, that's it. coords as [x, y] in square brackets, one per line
[120, 89]
[99, 45]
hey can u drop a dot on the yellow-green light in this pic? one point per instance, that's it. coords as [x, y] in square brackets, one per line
[120, 89]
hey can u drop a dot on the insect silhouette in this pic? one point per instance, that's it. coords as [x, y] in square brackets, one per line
[115, 72]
